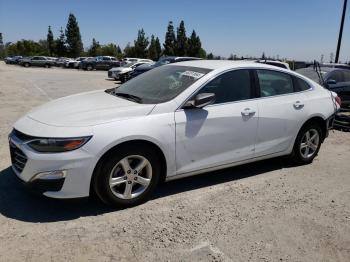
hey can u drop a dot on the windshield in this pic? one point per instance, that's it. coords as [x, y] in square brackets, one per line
[160, 84]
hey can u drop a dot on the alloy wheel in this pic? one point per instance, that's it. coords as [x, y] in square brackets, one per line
[309, 143]
[130, 177]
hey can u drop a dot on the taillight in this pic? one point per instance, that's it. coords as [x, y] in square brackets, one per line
[338, 100]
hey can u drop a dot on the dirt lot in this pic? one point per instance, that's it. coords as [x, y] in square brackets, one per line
[268, 211]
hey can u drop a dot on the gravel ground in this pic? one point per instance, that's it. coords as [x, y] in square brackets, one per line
[266, 211]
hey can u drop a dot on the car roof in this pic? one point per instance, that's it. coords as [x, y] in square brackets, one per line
[217, 64]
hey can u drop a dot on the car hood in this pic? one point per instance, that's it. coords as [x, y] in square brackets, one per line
[88, 109]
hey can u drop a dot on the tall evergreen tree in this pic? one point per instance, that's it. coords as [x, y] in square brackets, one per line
[152, 49]
[140, 44]
[60, 46]
[129, 51]
[2, 47]
[119, 52]
[263, 56]
[181, 40]
[158, 48]
[194, 45]
[169, 44]
[50, 41]
[95, 48]
[75, 45]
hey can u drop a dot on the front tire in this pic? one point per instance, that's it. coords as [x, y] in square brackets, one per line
[307, 144]
[128, 176]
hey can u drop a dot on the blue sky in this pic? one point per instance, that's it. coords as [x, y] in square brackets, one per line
[299, 29]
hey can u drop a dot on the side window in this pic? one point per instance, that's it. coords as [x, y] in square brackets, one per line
[229, 87]
[337, 76]
[106, 59]
[346, 76]
[300, 84]
[274, 83]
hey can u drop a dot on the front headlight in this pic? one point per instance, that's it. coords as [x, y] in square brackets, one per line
[56, 145]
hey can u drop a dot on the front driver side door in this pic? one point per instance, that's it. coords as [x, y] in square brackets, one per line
[221, 133]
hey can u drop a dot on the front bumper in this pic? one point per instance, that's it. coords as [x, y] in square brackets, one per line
[40, 186]
[78, 166]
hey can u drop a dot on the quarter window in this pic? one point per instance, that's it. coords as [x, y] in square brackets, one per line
[300, 84]
[274, 83]
[229, 87]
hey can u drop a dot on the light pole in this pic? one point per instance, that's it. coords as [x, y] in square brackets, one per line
[340, 31]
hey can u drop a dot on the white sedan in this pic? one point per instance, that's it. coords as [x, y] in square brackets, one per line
[174, 121]
[121, 73]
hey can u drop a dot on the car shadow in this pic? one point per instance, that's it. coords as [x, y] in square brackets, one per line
[17, 203]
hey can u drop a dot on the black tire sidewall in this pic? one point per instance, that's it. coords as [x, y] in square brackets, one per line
[296, 155]
[101, 179]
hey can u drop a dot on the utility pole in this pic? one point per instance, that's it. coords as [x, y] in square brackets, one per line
[340, 32]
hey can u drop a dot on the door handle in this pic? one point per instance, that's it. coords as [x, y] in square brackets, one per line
[248, 112]
[298, 105]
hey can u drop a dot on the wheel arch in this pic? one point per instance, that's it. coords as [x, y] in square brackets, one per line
[139, 142]
[321, 121]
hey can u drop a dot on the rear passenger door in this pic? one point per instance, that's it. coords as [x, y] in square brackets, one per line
[282, 110]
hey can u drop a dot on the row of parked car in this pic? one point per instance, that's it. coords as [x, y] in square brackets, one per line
[335, 77]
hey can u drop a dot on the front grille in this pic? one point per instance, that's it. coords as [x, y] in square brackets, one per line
[18, 158]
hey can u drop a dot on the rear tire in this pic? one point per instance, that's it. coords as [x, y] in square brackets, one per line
[307, 144]
[26, 65]
[128, 176]
[89, 67]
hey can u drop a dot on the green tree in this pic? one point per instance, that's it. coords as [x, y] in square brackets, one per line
[140, 44]
[194, 45]
[119, 52]
[50, 42]
[210, 56]
[152, 49]
[231, 57]
[2, 47]
[169, 44]
[263, 56]
[95, 48]
[109, 49]
[181, 40]
[158, 48]
[129, 51]
[73, 37]
[60, 46]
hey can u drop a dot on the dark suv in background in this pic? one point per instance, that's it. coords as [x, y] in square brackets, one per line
[162, 61]
[334, 79]
[99, 63]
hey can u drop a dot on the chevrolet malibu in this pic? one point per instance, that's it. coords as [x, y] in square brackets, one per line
[174, 121]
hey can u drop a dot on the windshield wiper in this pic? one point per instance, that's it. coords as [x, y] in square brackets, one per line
[134, 98]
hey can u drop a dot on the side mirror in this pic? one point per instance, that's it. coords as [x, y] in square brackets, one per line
[200, 101]
[331, 82]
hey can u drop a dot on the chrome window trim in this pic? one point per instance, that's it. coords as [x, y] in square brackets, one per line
[239, 101]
